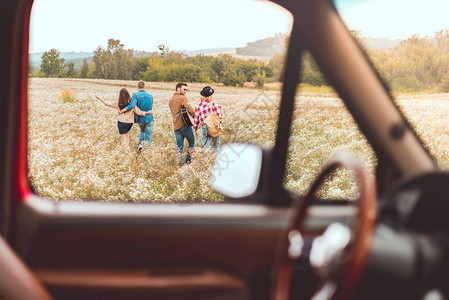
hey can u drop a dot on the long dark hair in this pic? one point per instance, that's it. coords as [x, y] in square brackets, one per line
[124, 98]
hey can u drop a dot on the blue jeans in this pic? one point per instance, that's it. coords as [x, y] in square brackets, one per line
[205, 140]
[146, 131]
[187, 133]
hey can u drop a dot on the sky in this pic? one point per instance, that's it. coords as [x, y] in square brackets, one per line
[83, 25]
[395, 19]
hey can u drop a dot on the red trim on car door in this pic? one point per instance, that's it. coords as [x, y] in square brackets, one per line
[22, 139]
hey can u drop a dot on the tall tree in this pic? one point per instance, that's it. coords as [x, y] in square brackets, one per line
[114, 62]
[52, 65]
[163, 49]
[442, 38]
[84, 69]
[70, 70]
[122, 58]
[100, 60]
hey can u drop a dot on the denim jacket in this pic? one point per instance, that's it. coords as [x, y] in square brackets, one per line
[144, 102]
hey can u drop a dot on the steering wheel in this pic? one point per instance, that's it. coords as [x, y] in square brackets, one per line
[17, 281]
[338, 256]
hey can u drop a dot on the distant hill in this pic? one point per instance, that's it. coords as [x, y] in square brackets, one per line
[206, 51]
[380, 43]
[75, 57]
[265, 47]
[270, 45]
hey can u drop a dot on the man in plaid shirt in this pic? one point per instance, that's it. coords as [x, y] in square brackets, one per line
[202, 110]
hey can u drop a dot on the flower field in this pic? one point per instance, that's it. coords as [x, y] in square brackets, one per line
[75, 151]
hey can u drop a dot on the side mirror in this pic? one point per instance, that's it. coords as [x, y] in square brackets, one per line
[237, 170]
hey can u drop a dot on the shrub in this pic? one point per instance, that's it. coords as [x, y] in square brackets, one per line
[444, 85]
[204, 78]
[241, 78]
[67, 96]
[314, 78]
[405, 84]
[230, 77]
[259, 79]
[38, 74]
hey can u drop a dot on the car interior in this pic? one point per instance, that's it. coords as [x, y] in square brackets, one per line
[263, 243]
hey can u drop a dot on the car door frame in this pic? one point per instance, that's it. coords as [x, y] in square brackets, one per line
[63, 239]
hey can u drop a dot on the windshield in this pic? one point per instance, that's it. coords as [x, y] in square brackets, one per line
[82, 146]
[408, 43]
[85, 154]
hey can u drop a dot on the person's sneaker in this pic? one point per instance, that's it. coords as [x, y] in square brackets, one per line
[139, 149]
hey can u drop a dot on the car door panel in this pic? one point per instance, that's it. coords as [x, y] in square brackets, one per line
[187, 251]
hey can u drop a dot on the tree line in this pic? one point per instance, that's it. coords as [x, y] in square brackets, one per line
[117, 62]
[417, 63]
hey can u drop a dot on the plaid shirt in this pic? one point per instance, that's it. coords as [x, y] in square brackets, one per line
[202, 111]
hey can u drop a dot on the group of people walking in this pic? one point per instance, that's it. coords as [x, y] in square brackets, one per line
[139, 109]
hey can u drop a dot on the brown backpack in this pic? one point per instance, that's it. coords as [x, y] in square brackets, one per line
[213, 124]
